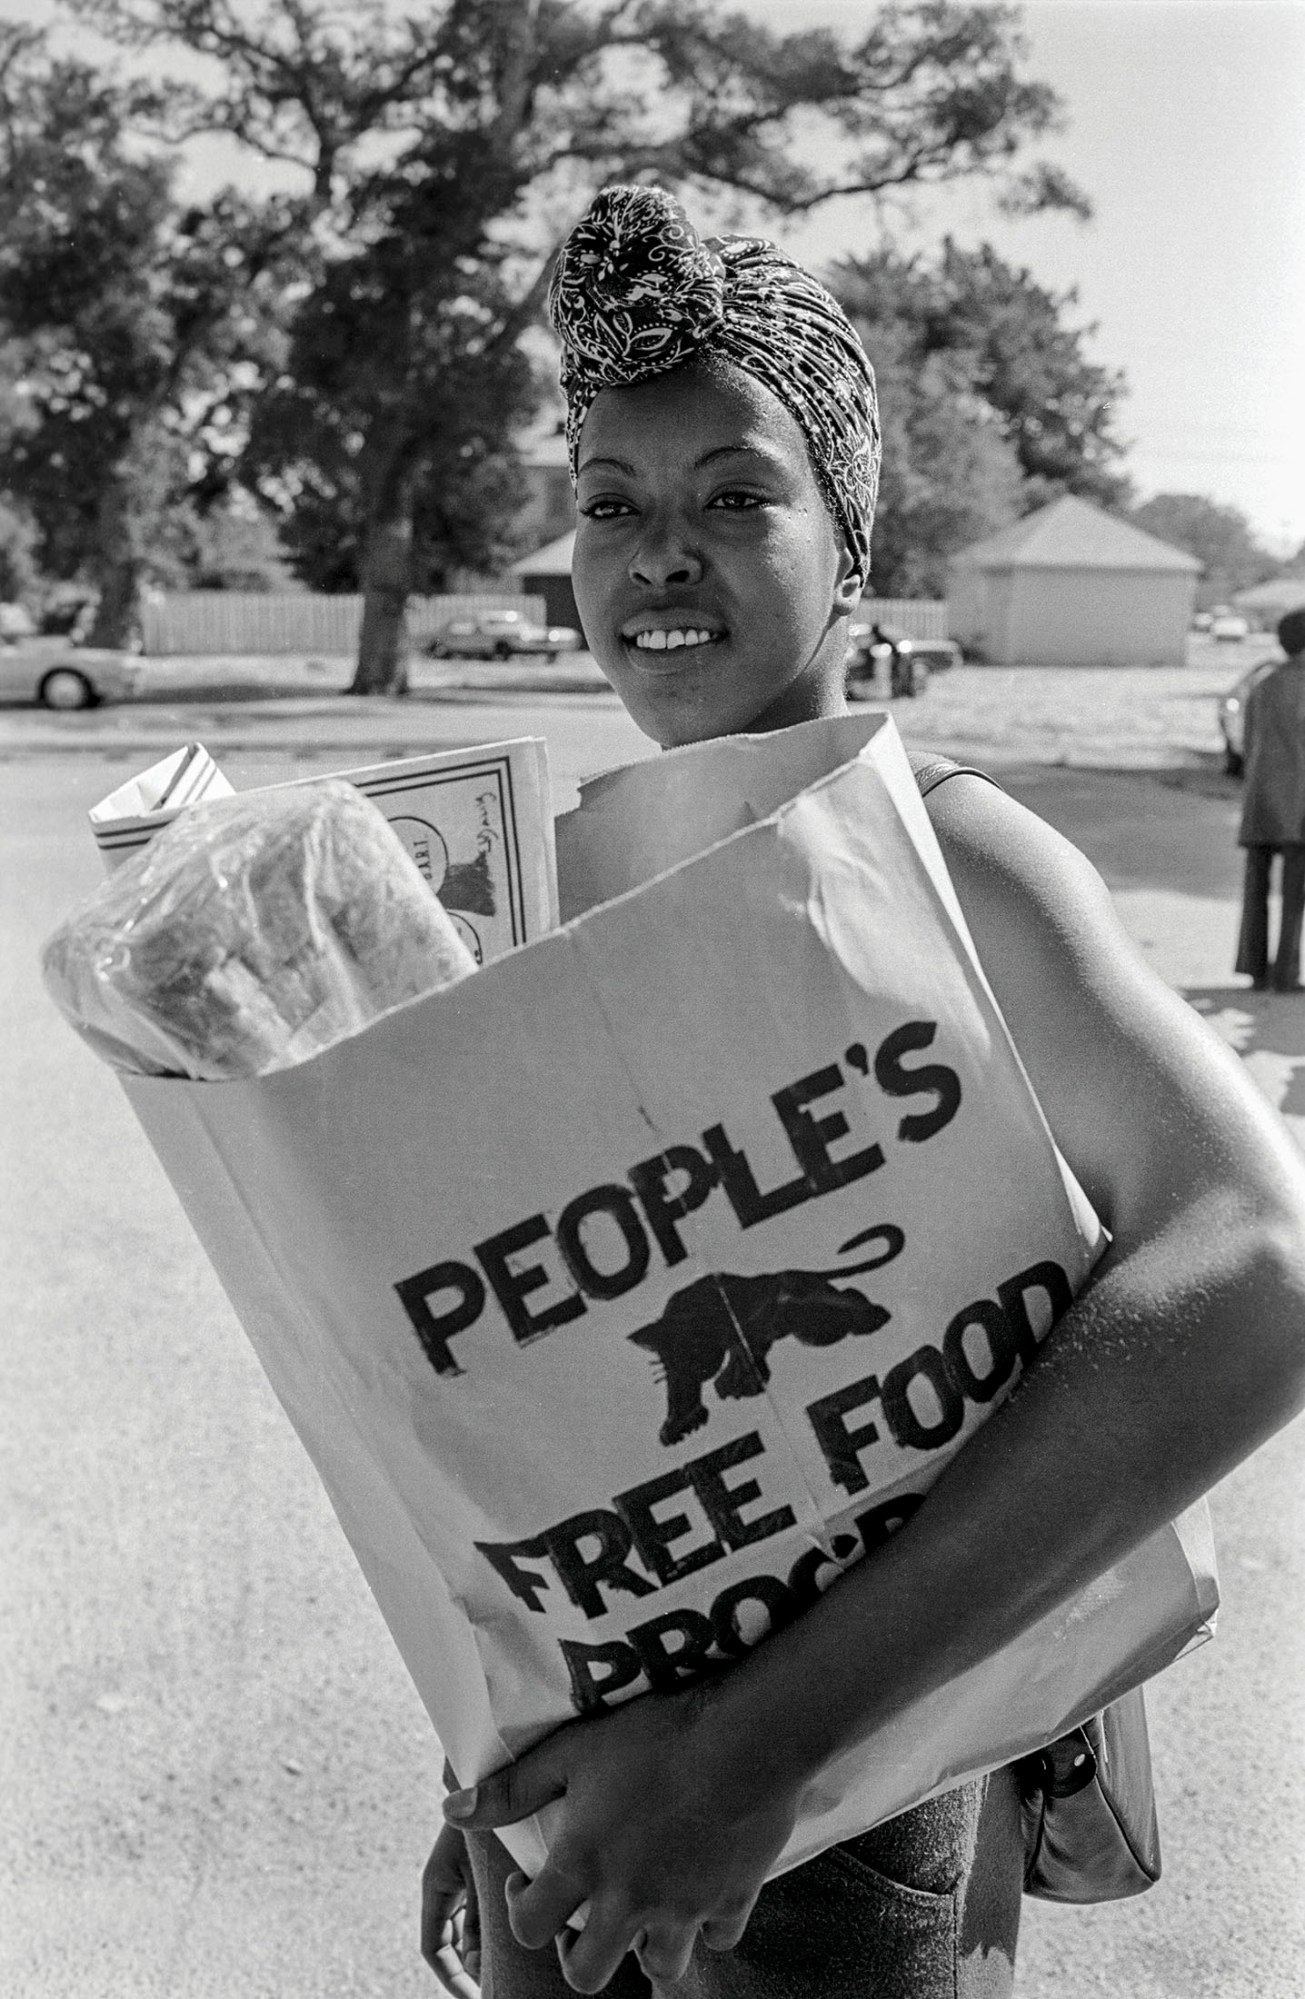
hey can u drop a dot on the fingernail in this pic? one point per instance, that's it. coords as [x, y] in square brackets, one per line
[460, 1804]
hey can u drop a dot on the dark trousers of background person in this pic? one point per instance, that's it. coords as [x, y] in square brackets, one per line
[1253, 943]
[927, 1906]
[901, 675]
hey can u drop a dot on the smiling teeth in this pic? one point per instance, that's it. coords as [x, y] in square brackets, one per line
[667, 641]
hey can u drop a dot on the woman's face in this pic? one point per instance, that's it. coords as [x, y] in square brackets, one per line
[712, 584]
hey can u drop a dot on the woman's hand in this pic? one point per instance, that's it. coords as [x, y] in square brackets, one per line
[450, 1918]
[668, 1825]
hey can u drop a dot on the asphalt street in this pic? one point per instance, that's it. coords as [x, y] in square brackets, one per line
[216, 1778]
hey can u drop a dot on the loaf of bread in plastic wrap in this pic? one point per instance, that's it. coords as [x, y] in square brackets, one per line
[251, 933]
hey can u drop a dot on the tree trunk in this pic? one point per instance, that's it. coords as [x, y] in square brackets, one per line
[386, 580]
[118, 573]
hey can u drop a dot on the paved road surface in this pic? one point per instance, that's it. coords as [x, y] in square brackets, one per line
[216, 1778]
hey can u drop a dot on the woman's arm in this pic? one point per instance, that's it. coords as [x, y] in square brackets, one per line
[1185, 1351]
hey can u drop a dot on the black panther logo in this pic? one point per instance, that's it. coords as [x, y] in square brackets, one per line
[720, 1329]
[469, 886]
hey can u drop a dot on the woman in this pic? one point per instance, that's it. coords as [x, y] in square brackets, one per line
[725, 450]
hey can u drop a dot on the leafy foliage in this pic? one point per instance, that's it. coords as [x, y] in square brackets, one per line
[1220, 537]
[440, 156]
[669, 88]
[125, 319]
[18, 570]
[990, 405]
[397, 369]
[949, 475]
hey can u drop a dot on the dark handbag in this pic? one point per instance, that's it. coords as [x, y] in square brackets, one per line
[1090, 1830]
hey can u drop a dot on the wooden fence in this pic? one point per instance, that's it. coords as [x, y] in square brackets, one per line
[918, 617]
[243, 622]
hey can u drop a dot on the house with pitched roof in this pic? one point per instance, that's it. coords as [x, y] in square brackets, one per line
[1264, 603]
[546, 573]
[1070, 585]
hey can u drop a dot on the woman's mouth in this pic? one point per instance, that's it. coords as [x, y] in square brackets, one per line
[673, 638]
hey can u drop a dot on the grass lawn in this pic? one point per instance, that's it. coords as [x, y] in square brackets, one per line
[1119, 717]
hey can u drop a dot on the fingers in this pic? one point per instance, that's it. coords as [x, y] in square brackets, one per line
[591, 1939]
[664, 1953]
[442, 1891]
[539, 1910]
[452, 1976]
[469, 1944]
[513, 1793]
[447, 1871]
[724, 1930]
[590, 1959]
[445, 1891]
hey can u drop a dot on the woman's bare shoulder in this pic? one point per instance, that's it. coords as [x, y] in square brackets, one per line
[1019, 880]
[1136, 1088]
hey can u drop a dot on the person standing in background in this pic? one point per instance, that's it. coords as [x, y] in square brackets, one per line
[1273, 813]
[901, 679]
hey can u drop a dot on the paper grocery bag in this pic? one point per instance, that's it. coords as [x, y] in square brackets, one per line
[629, 1291]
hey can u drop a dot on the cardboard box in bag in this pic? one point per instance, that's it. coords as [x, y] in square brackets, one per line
[475, 821]
[629, 1291]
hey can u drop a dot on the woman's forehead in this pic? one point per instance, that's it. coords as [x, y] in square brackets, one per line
[687, 414]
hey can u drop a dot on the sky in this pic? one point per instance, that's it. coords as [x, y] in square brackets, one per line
[1185, 124]
[1186, 127]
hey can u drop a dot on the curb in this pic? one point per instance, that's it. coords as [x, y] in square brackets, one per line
[281, 722]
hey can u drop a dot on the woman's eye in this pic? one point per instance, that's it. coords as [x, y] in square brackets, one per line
[607, 509]
[735, 501]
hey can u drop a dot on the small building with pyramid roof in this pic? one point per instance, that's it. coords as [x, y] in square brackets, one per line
[547, 573]
[1072, 586]
[1264, 603]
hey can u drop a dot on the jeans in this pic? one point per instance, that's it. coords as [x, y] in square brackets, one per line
[1253, 943]
[926, 1906]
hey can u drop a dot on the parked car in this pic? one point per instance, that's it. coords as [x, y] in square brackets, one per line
[1232, 718]
[869, 670]
[68, 612]
[15, 622]
[499, 635]
[1228, 625]
[61, 676]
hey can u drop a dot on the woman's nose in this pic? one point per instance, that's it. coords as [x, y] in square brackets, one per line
[664, 558]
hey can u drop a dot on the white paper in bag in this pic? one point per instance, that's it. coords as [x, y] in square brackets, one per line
[627, 1292]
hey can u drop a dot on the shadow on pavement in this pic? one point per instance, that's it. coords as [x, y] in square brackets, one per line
[1263, 1024]
[296, 677]
[1172, 828]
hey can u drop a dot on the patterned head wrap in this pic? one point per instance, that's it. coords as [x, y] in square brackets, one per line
[636, 292]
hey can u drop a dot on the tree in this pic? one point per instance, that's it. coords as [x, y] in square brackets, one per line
[18, 536]
[991, 407]
[17, 566]
[388, 437]
[477, 128]
[123, 317]
[1220, 537]
[949, 475]
[1057, 408]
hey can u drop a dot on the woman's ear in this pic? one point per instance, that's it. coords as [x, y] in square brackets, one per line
[848, 584]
